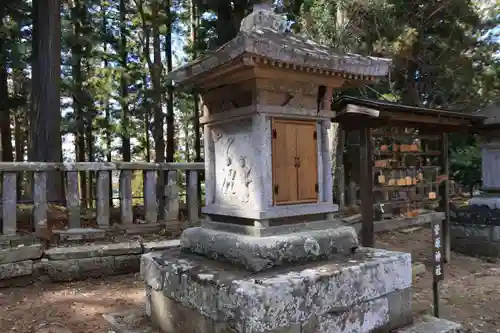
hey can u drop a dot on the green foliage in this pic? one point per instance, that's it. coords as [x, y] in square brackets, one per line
[465, 165]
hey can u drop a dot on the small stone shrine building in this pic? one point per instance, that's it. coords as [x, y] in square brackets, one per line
[490, 151]
[270, 257]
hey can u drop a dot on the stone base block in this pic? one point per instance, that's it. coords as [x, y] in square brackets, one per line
[259, 253]
[20, 253]
[273, 230]
[493, 202]
[428, 324]
[475, 239]
[79, 234]
[368, 291]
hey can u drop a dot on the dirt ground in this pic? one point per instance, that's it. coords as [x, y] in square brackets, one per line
[469, 295]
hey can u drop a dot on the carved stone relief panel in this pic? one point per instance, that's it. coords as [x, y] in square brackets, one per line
[234, 159]
[491, 167]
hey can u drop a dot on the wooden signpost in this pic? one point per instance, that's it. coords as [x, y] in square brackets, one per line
[437, 262]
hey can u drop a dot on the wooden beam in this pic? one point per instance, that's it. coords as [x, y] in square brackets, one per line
[445, 197]
[366, 188]
[265, 72]
[339, 165]
[427, 119]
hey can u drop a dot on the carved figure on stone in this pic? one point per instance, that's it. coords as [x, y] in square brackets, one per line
[230, 173]
[245, 179]
[216, 135]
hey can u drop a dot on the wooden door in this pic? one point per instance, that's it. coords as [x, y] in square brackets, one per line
[284, 170]
[307, 153]
[295, 163]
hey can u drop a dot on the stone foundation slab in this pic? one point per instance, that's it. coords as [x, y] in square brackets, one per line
[428, 324]
[135, 321]
[363, 292]
[259, 253]
[23, 265]
[475, 239]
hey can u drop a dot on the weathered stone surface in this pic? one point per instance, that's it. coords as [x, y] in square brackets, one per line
[17, 282]
[418, 269]
[428, 324]
[475, 214]
[475, 247]
[118, 249]
[172, 316]
[363, 318]
[80, 234]
[62, 270]
[278, 298]
[127, 264]
[495, 233]
[132, 321]
[79, 269]
[20, 253]
[160, 245]
[400, 311]
[152, 270]
[275, 45]
[15, 269]
[96, 267]
[273, 230]
[259, 253]
[475, 239]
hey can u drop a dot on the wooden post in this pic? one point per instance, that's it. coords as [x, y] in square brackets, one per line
[445, 197]
[340, 175]
[352, 193]
[366, 188]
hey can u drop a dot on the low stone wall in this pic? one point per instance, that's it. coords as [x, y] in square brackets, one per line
[475, 230]
[26, 264]
[475, 239]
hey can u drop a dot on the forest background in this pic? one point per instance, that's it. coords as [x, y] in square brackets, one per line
[84, 80]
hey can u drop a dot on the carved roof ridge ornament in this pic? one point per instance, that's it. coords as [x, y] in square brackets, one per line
[263, 35]
[263, 17]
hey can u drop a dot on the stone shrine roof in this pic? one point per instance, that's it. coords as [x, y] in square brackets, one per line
[263, 34]
[492, 114]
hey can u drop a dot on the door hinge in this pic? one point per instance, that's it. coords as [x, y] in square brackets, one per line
[315, 135]
[316, 187]
[275, 134]
[276, 189]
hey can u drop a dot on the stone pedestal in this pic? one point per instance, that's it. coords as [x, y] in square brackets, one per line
[369, 291]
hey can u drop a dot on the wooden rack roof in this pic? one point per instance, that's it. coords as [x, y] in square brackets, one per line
[353, 112]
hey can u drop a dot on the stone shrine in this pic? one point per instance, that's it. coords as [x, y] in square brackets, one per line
[490, 151]
[270, 257]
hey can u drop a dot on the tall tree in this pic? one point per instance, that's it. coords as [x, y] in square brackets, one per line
[170, 92]
[125, 134]
[45, 115]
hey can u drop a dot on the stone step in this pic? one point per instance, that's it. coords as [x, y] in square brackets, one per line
[429, 324]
